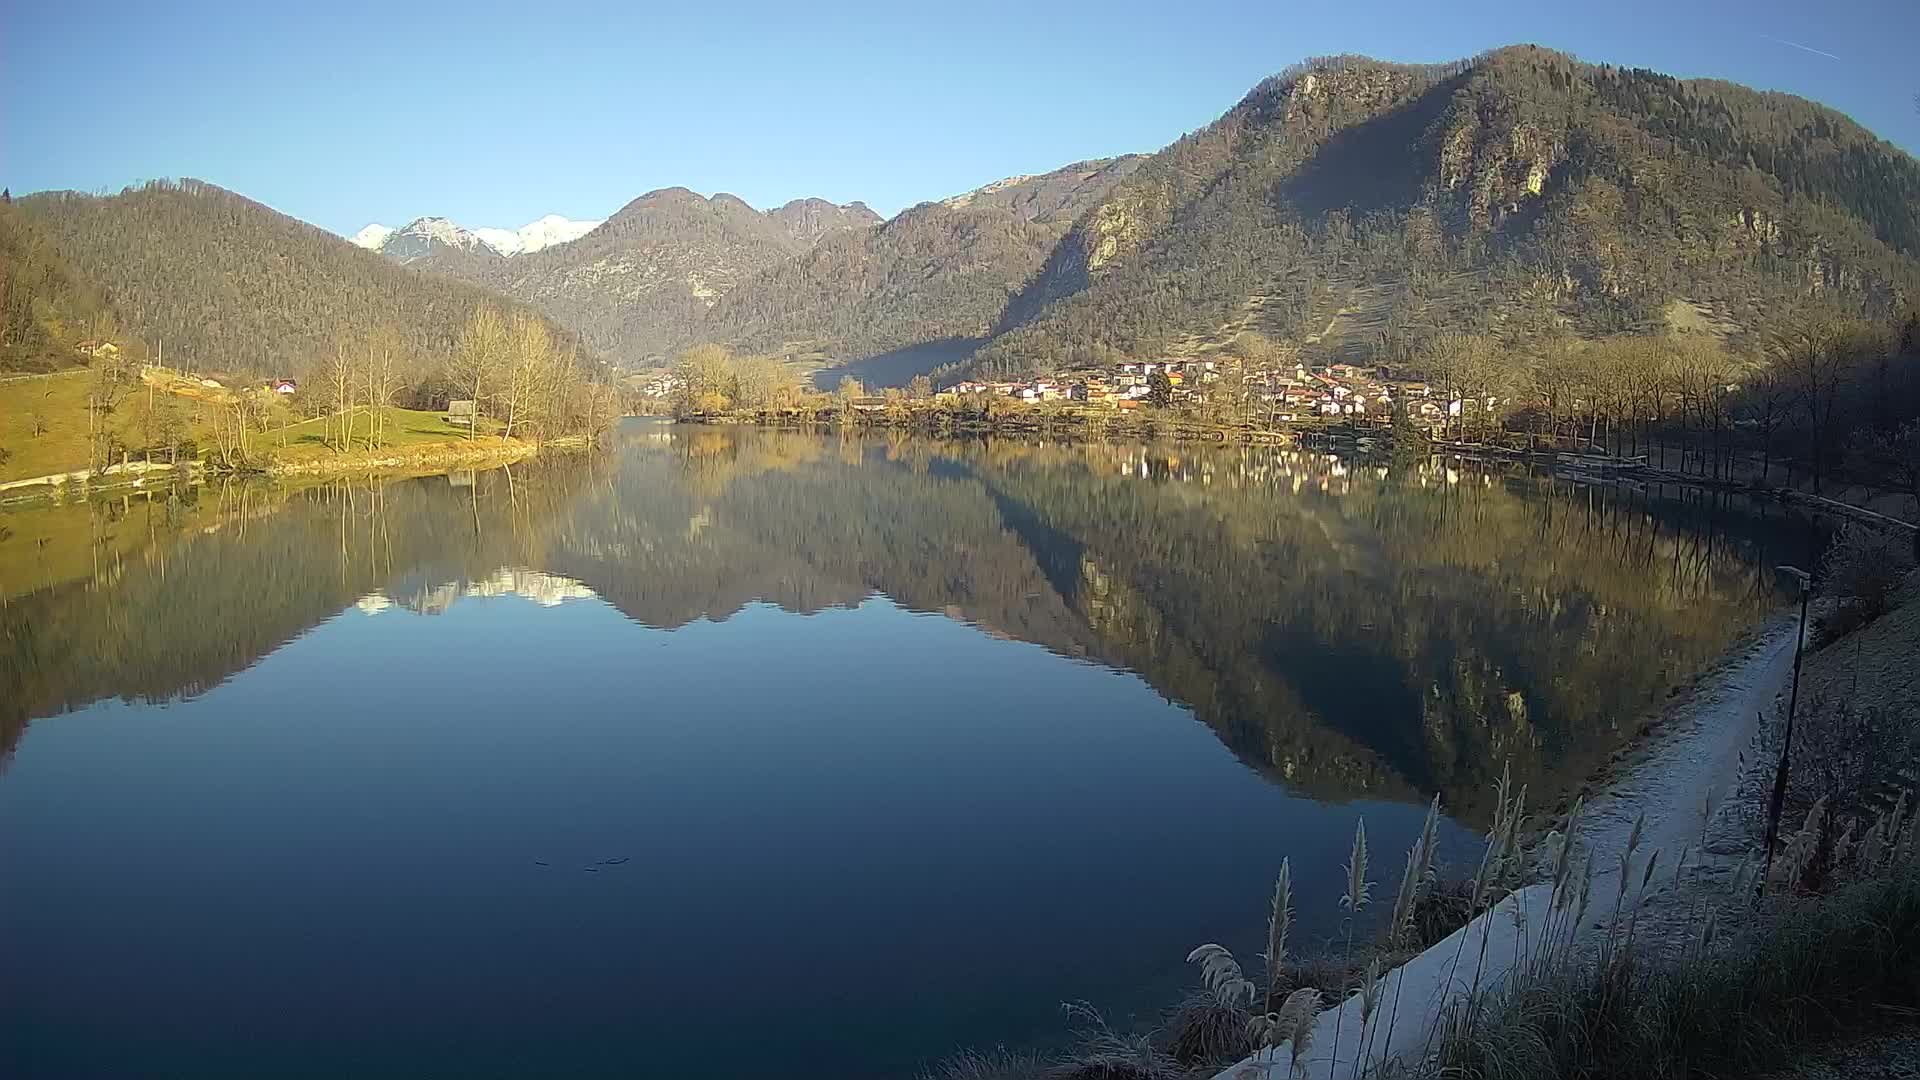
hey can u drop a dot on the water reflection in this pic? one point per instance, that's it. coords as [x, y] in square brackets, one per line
[1350, 628]
[546, 590]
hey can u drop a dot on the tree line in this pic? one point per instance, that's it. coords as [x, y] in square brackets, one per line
[521, 380]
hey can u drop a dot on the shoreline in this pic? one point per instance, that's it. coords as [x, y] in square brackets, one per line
[488, 453]
[424, 460]
[1078, 426]
[1694, 747]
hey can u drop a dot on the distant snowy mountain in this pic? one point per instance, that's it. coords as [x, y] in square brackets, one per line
[372, 237]
[533, 236]
[432, 235]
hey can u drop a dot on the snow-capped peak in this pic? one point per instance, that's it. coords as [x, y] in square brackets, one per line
[553, 229]
[373, 237]
[418, 236]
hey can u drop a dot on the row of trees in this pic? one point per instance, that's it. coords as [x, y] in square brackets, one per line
[1805, 396]
[712, 379]
[523, 383]
[514, 371]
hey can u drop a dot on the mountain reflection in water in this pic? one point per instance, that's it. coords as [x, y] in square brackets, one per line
[1350, 628]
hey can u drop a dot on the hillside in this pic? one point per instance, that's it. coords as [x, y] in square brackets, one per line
[224, 283]
[937, 274]
[1372, 202]
[931, 273]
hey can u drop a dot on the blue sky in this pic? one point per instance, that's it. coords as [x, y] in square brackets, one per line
[341, 113]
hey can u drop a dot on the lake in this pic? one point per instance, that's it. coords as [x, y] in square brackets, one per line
[730, 747]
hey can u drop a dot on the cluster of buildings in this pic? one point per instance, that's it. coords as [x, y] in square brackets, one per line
[1126, 385]
[662, 387]
[1280, 393]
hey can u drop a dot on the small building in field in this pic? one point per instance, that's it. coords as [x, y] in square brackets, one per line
[461, 412]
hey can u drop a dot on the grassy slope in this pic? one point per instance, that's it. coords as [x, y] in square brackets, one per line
[403, 429]
[61, 400]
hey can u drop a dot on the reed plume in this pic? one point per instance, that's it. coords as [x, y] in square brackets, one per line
[1278, 923]
[1359, 889]
[1297, 1016]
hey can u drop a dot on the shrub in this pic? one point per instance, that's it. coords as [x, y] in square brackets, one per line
[1863, 567]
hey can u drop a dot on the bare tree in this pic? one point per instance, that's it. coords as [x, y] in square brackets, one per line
[529, 358]
[338, 379]
[382, 376]
[479, 358]
[1818, 357]
[1764, 404]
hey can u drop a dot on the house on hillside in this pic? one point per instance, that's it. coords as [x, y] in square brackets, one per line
[98, 348]
[284, 386]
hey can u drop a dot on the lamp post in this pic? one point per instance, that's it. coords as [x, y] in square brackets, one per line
[1778, 803]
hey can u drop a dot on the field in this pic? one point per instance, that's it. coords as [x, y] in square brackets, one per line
[401, 429]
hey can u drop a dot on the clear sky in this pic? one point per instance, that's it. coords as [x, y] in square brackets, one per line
[342, 113]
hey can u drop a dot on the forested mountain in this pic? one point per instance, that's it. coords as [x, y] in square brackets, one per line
[46, 309]
[225, 283]
[638, 285]
[1360, 203]
[931, 273]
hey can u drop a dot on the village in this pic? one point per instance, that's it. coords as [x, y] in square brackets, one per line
[1275, 395]
[1299, 393]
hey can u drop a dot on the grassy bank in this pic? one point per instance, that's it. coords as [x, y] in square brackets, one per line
[44, 427]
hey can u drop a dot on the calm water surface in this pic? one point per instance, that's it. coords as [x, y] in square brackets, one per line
[737, 744]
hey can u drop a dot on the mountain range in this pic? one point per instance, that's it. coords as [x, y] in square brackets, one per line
[1345, 207]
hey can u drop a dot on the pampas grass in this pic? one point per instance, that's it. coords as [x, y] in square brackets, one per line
[1278, 923]
[1296, 1019]
[1222, 975]
[1359, 890]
